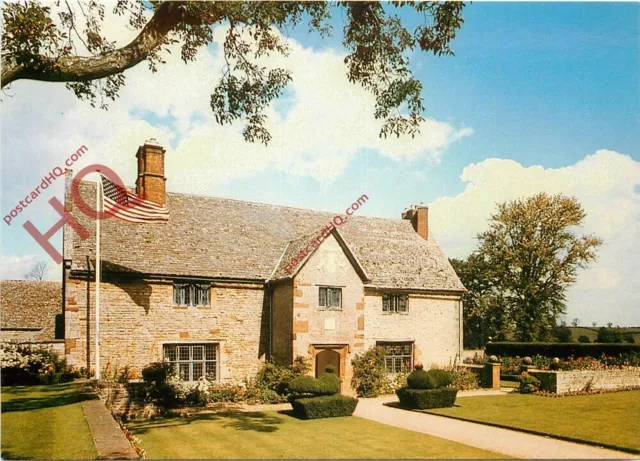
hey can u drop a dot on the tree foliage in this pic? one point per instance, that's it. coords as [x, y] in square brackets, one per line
[525, 261]
[65, 42]
[484, 309]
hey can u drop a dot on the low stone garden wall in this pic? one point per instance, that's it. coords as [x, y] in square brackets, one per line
[563, 382]
[124, 398]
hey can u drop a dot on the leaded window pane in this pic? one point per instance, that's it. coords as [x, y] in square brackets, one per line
[183, 369]
[192, 361]
[209, 352]
[198, 370]
[183, 353]
[322, 297]
[197, 353]
[399, 356]
[190, 295]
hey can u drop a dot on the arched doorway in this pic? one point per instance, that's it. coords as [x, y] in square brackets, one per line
[327, 357]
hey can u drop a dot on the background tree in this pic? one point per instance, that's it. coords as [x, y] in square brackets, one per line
[529, 256]
[575, 322]
[37, 271]
[608, 335]
[66, 44]
[561, 333]
[484, 313]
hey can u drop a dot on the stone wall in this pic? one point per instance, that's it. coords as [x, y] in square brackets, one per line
[562, 382]
[123, 398]
[138, 317]
[432, 323]
[316, 326]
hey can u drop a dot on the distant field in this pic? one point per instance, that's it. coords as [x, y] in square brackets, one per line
[592, 333]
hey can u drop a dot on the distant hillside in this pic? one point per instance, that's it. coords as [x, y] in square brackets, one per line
[592, 333]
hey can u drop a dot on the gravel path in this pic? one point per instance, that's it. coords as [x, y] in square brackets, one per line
[511, 443]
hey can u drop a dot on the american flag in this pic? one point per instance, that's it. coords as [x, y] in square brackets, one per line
[125, 205]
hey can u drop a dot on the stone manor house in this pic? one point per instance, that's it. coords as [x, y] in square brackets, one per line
[208, 291]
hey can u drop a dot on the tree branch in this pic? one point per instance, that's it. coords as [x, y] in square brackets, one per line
[82, 69]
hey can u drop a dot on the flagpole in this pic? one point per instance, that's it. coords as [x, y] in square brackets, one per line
[98, 256]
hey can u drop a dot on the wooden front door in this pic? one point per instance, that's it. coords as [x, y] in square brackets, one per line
[327, 357]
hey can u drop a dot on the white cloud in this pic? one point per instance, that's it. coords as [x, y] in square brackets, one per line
[606, 185]
[326, 121]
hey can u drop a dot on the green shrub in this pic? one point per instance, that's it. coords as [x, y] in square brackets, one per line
[442, 378]
[271, 376]
[427, 398]
[304, 385]
[583, 339]
[328, 384]
[464, 379]
[421, 379]
[528, 384]
[370, 378]
[156, 375]
[328, 406]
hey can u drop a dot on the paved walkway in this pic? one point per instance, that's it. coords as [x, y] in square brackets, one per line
[108, 438]
[504, 441]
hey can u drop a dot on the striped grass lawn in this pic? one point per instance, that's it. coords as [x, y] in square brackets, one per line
[612, 419]
[46, 422]
[275, 435]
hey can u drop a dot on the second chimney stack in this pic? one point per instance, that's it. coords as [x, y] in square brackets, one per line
[419, 217]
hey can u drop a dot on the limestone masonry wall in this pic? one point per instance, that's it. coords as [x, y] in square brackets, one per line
[138, 316]
[562, 382]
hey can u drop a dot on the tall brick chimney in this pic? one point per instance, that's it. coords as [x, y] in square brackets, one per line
[150, 184]
[419, 217]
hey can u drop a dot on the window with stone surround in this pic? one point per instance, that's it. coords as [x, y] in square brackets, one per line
[395, 303]
[192, 361]
[399, 356]
[330, 298]
[191, 294]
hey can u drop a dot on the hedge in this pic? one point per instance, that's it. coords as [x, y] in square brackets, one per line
[327, 406]
[427, 398]
[560, 350]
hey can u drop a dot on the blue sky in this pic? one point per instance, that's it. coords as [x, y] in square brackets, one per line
[549, 91]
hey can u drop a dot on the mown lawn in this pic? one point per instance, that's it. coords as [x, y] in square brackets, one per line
[46, 422]
[275, 435]
[612, 419]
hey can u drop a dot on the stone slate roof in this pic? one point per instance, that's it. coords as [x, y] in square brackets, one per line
[223, 238]
[30, 304]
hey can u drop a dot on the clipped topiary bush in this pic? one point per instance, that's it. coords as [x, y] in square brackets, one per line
[427, 398]
[328, 383]
[442, 378]
[421, 379]
[327, 406]
[304, 385]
